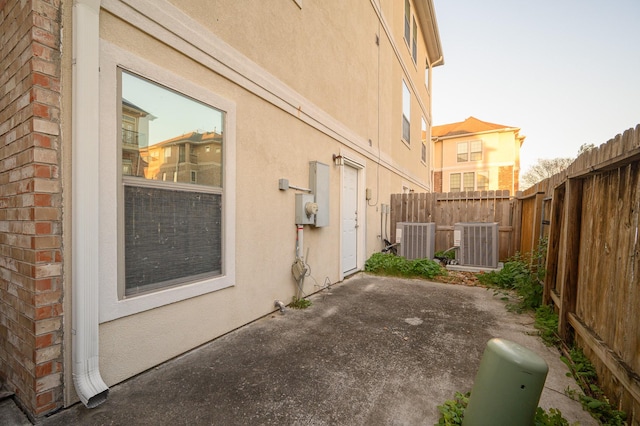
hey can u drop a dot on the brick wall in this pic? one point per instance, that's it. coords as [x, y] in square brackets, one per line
[505, 177]
[437, 182]
[30, 204]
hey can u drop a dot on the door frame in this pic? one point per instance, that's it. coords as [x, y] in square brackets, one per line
[357, 163]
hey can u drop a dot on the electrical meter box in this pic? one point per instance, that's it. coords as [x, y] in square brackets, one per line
[306, 209]
[319, 184]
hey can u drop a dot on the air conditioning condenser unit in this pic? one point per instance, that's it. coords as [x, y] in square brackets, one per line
[417, 240]
[477, 243]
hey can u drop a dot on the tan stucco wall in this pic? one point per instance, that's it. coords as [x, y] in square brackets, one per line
[325, 53]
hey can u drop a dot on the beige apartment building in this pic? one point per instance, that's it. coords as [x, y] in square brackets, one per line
[160, 159]
[474, 155]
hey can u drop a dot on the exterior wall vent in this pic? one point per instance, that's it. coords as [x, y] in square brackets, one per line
[477, 243]
[417, 240]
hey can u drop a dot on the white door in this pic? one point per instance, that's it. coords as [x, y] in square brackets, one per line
[349, 219]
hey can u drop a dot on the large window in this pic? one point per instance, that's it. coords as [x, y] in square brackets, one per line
[172, 227]
[406, 113]
[469, 151]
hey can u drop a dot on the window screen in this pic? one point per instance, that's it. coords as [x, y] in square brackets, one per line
[170, 236]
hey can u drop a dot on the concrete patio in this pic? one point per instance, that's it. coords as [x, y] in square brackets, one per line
[369, 351]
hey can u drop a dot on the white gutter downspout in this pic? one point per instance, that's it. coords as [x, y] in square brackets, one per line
[431, 147]
[85, 185]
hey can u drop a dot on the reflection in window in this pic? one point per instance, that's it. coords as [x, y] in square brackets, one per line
[166, 132]
[172, 228]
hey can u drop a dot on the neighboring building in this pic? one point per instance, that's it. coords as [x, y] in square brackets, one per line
[154, 158]
[474, 155]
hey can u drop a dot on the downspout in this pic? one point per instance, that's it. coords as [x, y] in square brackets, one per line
[431, 147]
[85, 185]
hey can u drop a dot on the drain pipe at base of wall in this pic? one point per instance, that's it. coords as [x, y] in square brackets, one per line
[85, 185]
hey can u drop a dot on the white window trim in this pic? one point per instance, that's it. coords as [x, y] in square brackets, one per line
[111, 248]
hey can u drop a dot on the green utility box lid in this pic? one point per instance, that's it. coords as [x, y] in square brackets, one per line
[507, 387]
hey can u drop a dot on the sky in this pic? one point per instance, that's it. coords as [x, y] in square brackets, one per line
[566, 72]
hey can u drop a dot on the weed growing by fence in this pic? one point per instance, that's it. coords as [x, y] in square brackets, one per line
[547, 322]
[389, 264]
[452, 413]
[524, 274]
[593, 400]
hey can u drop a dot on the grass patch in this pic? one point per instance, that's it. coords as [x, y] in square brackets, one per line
[397, 266]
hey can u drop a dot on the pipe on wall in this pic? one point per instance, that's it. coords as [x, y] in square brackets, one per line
[88, 383]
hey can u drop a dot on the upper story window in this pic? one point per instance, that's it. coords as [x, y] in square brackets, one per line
[407, 21]
[414, 42]
[406, 113]
[423, 136]
[172, 228]
[469, 151]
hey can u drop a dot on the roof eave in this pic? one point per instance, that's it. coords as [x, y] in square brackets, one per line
[484, 132]
[427, 17]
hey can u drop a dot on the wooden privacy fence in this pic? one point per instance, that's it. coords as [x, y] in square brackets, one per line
[590, 215]
[447, 209]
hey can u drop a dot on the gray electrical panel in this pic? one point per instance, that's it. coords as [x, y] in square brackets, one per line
[319, 185]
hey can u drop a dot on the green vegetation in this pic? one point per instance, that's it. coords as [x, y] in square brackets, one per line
[446, 254]
[547, 322]
[392, 265]
[593, 400]
[524, 275]
[452, 413]
[299, 303]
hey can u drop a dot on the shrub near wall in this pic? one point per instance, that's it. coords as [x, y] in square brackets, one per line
[30, 204]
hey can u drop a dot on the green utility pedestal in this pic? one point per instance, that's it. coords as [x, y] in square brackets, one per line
[507, 387]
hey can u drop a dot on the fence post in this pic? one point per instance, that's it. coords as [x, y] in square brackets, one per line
[570, 246]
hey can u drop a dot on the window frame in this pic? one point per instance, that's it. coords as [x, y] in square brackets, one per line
[459, 176]
[414, 42]
[407, 23]
[485, 174]
[423, 137]
[477, 157]
[111, 245]
[469, 154]
[464, 145]
[406, 115]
